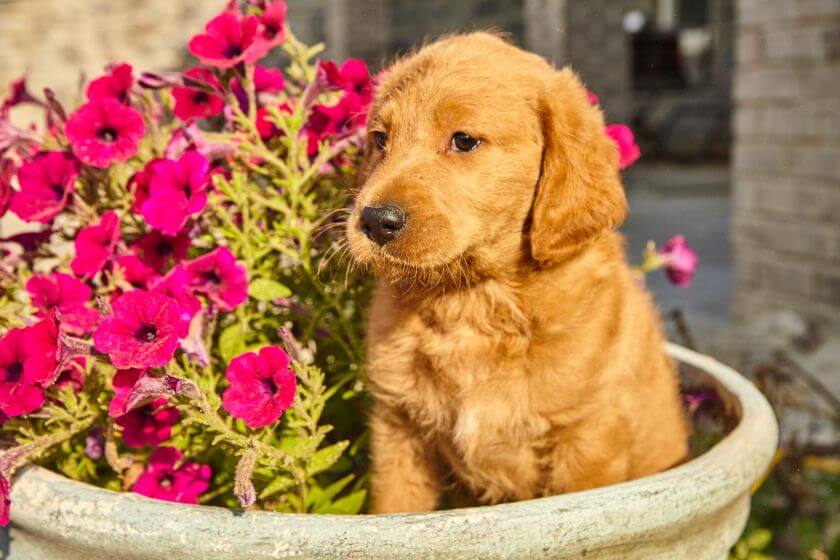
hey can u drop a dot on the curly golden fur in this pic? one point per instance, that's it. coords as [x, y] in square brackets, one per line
[511, 352]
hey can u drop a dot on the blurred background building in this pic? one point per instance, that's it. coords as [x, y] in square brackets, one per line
[683, 73]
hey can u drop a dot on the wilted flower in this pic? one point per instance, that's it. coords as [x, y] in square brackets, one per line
[46, 184]
[628, 150]
[95, 444]
[142, 331]
[177, 190]
[116, 84]
[150, 424]
[218, 276]
[165, 479]
[228, 40]
[123, 383]
[66, 294]
[8, 170]
[195, 103]
[262, 386]
[104, 131]
[679, 259]
[95, 245]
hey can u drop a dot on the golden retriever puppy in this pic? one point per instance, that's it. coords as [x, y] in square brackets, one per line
[511, 352]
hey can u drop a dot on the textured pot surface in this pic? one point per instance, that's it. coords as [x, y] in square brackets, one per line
[695, 511]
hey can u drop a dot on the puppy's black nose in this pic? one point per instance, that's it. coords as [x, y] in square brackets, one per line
[382, 223]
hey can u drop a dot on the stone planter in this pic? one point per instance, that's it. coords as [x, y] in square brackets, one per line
[695, 511]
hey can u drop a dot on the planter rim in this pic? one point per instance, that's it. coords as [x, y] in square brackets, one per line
[612, 514]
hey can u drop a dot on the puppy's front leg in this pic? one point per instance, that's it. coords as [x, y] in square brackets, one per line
[405, 474]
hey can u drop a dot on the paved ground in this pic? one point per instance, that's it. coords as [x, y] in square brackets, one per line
[667, 200]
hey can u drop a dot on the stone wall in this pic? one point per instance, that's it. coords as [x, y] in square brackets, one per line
[786, 170]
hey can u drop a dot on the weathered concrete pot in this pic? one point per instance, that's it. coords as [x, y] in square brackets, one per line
[695, 511]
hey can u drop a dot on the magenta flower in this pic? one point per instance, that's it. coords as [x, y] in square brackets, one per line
[5, 501]
[27, 365]
[8, 169]
[116, 84]
[340, 119]
[66, 294]
[177, 190]
[176, 285]
[680, 261]
[135, 271]
[353, 77]
[227, 40]
[46, 184]
[271, 31]
[218, 276]
[95, 245]
[142, 331]
[261, 386]
[104, 131]
[265, 122]
[159, 251]
[193, 103]
[628, 150]
[268, 80]
[72, 374]
[592, 98]
[163, 480]
[123, 383]
[150, 424]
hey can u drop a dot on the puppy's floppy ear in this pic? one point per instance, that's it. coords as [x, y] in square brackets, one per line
[579, 193]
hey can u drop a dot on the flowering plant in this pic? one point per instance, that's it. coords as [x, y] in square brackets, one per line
[166, 326]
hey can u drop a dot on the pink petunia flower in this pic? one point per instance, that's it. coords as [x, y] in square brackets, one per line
[177, 190]
[267, 81]
[72, 374]
[628, 150]
[8, 170]
[66, 294]
[46, 184]
[271, 31]
[27, 365]
[193, 103]
[95, 245]
[592, 98]
[218, 276]
[135, 271]
[353, 77]
[163, 480]
[104, 131]
[116, 84]
[227, 40]
[261, 386]
[150, 424]
[680, 261]
[176, 285]
[142, 331]
[265, 122]
[5, 501]
[341, 119]
[159, 251]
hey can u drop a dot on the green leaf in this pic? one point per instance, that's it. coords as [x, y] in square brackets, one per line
[279, 484]
[231, 342]
[348, 505]
[264, 289]
[333, 490]
[326, 457]
[759, 539]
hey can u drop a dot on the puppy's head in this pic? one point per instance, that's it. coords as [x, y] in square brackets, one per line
[481, 157]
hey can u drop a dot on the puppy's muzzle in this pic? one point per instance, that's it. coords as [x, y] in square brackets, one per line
[382, 223]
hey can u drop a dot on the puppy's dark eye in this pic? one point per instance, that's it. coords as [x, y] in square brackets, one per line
[380, 139]
[463, 142]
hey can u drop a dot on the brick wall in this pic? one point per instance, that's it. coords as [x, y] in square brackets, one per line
[786, 168]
